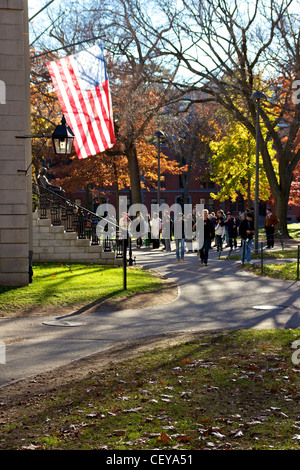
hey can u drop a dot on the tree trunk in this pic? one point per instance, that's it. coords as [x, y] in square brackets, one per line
[281, 211]
[187, 180]
[134, 173]
[249, 188]
[280, 189]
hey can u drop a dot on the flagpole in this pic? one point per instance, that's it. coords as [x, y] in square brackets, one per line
[68, 45]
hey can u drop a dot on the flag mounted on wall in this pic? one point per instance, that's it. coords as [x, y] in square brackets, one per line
[82, 88]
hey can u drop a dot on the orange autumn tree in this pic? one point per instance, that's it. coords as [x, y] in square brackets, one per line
[295, 188]
[109, 170]
[135, 107]
[99, 171]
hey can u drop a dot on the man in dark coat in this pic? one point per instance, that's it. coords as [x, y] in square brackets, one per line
[231, 225]
[270, 222]
[209, 235]
[247, 231]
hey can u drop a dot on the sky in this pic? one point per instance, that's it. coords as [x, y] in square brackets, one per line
[35, 5]
[41, 22]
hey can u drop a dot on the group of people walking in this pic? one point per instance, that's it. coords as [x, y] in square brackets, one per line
[190, 235]
[220, 228]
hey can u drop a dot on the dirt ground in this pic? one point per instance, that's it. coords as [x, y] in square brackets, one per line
[14, 395]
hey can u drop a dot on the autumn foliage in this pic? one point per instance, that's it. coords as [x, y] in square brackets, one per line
[135, 107]
[110, 170]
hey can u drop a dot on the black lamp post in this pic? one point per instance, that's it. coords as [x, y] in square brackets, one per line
[62, 138]
[159, 135]
[257, 97]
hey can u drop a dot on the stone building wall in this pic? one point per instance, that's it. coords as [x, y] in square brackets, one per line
[15, 154]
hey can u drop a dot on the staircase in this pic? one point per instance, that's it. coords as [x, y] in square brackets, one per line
[64, 232]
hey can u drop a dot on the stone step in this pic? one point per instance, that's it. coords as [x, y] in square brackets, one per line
[53, 243]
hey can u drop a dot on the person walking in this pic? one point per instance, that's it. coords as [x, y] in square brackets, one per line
[231, 226]
[270, 222]
[212, 216]
[148, 232]
[189, 235]
[179, 234]
[220, 233]
[140, 229]
[155, 230]
[247, 231]
[221, 215]
[124, 224]
[209, 235]
[166, 230]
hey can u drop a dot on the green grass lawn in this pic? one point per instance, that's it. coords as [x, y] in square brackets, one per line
[280, 254]
[287, 271]
[61, 284]
[280, 270]
[294, 231]
[236, 390]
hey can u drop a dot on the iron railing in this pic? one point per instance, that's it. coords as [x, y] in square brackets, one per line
[75, 218]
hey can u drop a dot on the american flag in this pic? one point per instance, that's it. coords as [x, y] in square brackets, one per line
[82, 88]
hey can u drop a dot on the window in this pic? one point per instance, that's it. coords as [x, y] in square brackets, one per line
[202, 182]
[232, 206]
[241, 205]
[211, 205]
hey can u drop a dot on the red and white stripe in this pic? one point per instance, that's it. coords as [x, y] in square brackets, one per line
[88, 112]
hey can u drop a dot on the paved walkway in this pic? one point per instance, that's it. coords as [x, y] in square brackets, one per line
[217, 296]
